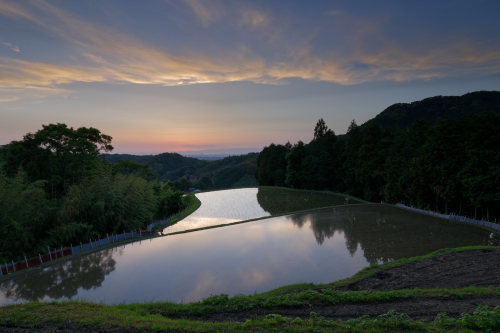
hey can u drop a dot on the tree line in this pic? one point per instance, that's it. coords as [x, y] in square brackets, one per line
[450, 166]
[56, 189]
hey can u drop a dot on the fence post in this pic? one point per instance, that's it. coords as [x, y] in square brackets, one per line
[124, 235]
[81, 246]
[50, 254]
[26, 261]
[90, 243]
[62, 253]
[13, 266]
[6, 268]
[40, 258]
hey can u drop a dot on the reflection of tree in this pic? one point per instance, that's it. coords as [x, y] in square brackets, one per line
[385, 233]
[62, 280]
[277, 201]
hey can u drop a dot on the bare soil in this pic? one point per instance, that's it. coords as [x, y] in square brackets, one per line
[453, 270]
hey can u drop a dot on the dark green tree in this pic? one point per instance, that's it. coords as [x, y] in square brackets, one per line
[321, 130]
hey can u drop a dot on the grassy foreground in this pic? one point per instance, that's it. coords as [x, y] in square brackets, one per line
[166, 316]
[74, 315]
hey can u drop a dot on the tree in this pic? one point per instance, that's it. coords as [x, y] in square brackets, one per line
[321, 130]
[271, 165]
[56, 153]
[134, 168]
[294, 167]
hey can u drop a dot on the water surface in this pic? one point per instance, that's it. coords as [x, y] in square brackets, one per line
[319, 247]
[227, 206]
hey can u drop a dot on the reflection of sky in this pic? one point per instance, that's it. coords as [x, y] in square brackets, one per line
[255, 256]
[222, 207]
[192, 266]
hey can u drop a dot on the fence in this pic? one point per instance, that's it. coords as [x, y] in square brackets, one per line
[53, 254]
[453, 217]
[160, 222]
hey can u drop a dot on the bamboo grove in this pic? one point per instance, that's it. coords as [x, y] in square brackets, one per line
[56, 189]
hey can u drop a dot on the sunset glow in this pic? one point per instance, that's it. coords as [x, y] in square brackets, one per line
[187, 75]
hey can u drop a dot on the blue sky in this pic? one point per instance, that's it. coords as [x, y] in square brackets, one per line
[178, 75]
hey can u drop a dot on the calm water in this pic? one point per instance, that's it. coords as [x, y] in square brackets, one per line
[222, 207]
[318, 247]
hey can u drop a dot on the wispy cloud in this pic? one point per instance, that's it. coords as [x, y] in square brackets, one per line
[254, 18]
[205, 11]
[12, 47]
[7, 99]
[105, 55]
[26, 74]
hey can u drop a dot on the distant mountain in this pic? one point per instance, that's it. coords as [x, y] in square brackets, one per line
[432, 109]
[224, 152]
[231, 171]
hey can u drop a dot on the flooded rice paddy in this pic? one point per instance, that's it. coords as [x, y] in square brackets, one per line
[319, 246]
[227, 206]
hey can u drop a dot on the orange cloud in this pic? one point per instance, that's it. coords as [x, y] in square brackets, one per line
[104, 55]
[24, 74]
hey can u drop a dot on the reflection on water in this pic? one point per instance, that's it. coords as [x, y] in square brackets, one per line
[223, 207]
[386, 233]
[61, 281]
[319, 247]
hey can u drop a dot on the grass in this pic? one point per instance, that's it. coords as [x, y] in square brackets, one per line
[193, 203]
[279, 200]
[165, 316]
[87, 315]
[304, 299]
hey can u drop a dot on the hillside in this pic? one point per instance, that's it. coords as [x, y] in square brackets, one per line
[432, 109]
[232, 171]
[440, 153]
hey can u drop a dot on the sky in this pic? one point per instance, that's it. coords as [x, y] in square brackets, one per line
[228, 75]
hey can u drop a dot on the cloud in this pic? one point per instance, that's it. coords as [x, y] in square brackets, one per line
[254, 18]
[205, 11]
[12, 47]
[25, 74]
[104, 55]
[7, 99]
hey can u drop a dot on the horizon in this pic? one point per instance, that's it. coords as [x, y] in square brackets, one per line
[206, 152]
[167, 76]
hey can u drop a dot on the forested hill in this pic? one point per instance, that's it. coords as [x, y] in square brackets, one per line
[441, 153]
[432, 109]
[232, 171]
